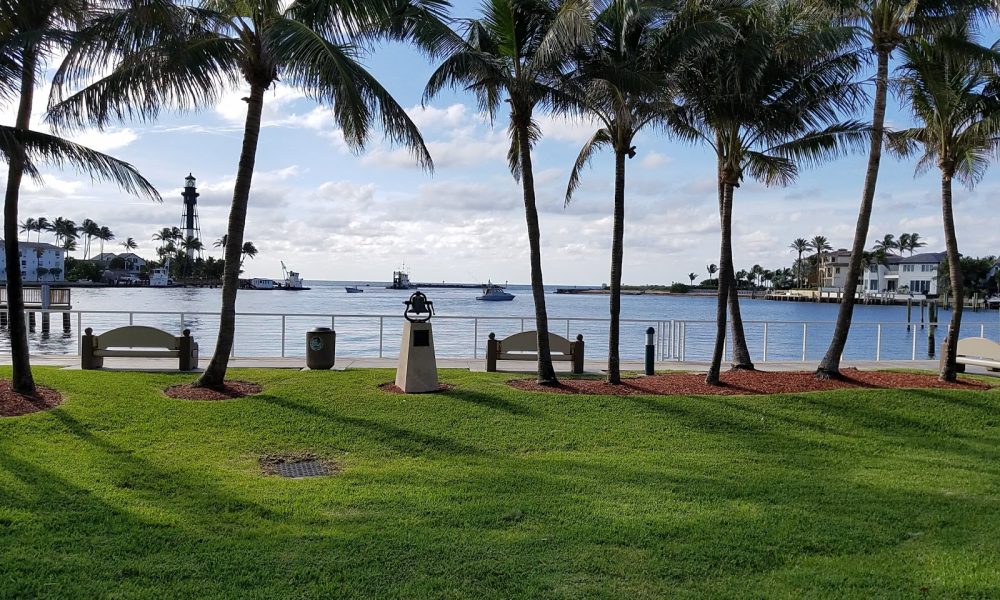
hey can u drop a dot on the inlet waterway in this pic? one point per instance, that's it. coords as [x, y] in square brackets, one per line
[273, 323]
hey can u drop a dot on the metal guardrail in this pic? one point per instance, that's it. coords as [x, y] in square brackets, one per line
[366, 335]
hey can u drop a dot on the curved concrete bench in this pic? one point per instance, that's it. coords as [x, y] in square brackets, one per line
[138, 341]
[524, 346]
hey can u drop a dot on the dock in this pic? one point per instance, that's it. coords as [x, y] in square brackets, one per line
[44, 299]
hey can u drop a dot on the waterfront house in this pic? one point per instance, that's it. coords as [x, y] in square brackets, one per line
[831, 271]
[126, 262]
[39, 262]
[915, 274]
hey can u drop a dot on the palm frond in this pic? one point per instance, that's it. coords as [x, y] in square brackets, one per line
[330, 74]
[53, 150]
[602, 137]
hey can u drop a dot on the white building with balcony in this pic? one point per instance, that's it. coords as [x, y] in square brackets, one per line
[39, 262]
[915, 274]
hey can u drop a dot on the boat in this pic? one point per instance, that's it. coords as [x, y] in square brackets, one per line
[293, 280]
[351, 289]
[258, 283]
[494, 293]
[993, 301]
[160, 277]
[400, 281]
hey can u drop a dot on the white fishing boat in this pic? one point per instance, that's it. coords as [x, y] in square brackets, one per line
[160, 277]
[493, 292]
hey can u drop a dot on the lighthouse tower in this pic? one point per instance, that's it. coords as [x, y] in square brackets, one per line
[189, 218]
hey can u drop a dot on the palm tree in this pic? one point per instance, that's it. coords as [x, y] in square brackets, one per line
[26, 227]
[883, 25]
[887, 244]
[129, 244]
[914, 242]
[950, 84]
[105, 235]
[220, 243]
[69, 245]
[90, 230]
[903, 243]
[712, 270]
[799, 245]
[42, 224]
[249, 251]
[33, 32]
[765, 100]
[513, 54]
[313, 45]
[163, 236]
[619, 80]
[692, 277]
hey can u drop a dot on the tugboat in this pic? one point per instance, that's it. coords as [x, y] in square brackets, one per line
[353, 289]
[494, 293]
[400, 281]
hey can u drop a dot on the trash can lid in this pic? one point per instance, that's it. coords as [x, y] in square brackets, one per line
[319, 329]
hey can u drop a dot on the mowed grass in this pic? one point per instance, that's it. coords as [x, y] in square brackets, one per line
[487, 492]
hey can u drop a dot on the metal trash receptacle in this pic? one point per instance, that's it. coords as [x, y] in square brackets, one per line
[321, 344]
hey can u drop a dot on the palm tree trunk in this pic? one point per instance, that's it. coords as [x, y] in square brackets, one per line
[215, 373]
[948, 370]
[617, 254]
[546, 372]
[725, 281]
[830, 365]
[21, 379]
[741, 353]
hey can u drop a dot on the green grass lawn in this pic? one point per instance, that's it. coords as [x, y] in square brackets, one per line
[486, 492]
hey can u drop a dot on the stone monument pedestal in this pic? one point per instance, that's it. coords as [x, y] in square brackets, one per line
[417, 370]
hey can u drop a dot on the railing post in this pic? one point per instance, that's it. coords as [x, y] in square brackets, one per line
[878, 343]
[765, 342]
[982, 330]
[805, 338]
[683, 340]
[913, 356]
[130, 320]
[567, 329]
[282, 336]
[475, 337]
[522, 324]
[381, 328]
[182, 322]
[79, 333]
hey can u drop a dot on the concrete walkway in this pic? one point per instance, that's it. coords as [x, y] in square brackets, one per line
[594, 367]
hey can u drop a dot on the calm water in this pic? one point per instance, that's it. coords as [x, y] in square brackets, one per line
[356, 320]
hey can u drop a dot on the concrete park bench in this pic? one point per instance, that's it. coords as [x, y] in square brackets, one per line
[140, 342]
[977, 351]
[524, 346]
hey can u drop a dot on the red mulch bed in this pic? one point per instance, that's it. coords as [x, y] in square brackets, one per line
[13, 404]
[737, 383]
[392, 389]
[231, 389]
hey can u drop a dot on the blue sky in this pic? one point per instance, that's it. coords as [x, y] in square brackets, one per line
[334, 214]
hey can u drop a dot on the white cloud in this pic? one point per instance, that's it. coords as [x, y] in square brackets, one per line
[654, 160]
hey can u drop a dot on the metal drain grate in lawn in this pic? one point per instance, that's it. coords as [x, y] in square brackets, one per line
[306, 468]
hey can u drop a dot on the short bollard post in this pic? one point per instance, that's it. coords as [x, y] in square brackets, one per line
[650, 350]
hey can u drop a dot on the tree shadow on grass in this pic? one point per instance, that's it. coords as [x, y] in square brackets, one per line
[490, 401]
[403, 440]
